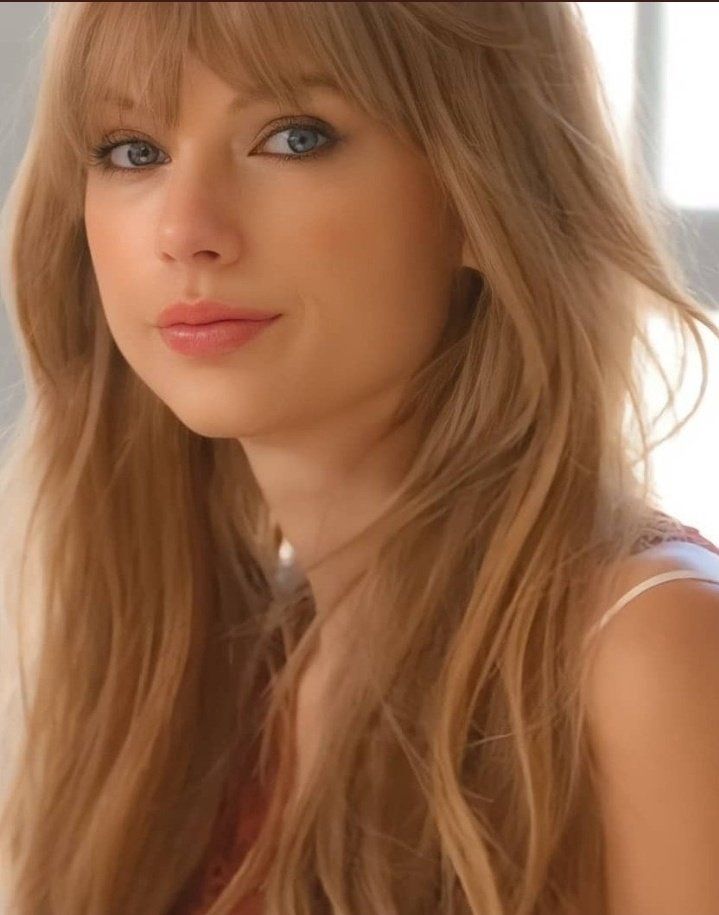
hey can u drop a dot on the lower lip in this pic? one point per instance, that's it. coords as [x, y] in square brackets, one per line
[212, 339]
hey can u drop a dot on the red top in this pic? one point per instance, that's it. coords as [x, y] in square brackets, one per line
[221, 866]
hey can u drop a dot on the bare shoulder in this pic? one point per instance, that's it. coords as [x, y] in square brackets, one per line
[662, 599]
[669, 627]
[653, 724]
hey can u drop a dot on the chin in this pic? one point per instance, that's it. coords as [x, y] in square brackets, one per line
[220, 424]
[211, 426]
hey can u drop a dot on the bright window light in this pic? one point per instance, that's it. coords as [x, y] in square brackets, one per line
[684, 469]
[611, 28]
[690, 126]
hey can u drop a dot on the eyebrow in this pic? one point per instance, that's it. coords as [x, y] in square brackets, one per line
[246, 98]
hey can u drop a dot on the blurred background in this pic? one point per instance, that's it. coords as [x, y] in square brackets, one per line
[660, 69]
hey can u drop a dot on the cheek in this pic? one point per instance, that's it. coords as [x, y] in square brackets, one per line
[103, 225]
[118, 251]
[377, 265]
[107, 244]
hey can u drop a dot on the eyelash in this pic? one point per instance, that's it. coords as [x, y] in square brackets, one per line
[99, 154]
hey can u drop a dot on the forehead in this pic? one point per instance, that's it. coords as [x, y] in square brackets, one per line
[249, 95]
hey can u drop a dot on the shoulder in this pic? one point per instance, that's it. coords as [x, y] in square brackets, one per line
[684, 607]
[653, 725]
[656, 649]
[665, 557]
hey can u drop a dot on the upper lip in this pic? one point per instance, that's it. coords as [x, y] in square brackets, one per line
[205, 311]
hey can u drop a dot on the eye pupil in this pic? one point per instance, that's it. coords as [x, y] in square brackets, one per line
[303, 132]
[145, 147]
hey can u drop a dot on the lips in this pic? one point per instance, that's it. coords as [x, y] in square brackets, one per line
[208, 311]
[213, 339]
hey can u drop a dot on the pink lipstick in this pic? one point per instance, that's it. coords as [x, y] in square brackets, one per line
[208, 327]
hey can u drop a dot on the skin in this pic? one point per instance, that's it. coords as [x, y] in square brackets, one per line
[352, 249]
[349, 246]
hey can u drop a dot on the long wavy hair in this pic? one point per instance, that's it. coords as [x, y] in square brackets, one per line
[153, 643]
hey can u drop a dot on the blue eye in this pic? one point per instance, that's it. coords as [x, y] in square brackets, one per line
[299, 134]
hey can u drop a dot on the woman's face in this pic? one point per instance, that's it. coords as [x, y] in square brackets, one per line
[350, 247]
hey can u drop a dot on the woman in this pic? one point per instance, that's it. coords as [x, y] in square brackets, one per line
[427, 204]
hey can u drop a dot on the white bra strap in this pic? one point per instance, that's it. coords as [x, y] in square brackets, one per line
[651, 583]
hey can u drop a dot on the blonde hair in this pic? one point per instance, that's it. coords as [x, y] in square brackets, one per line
[156, 656]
